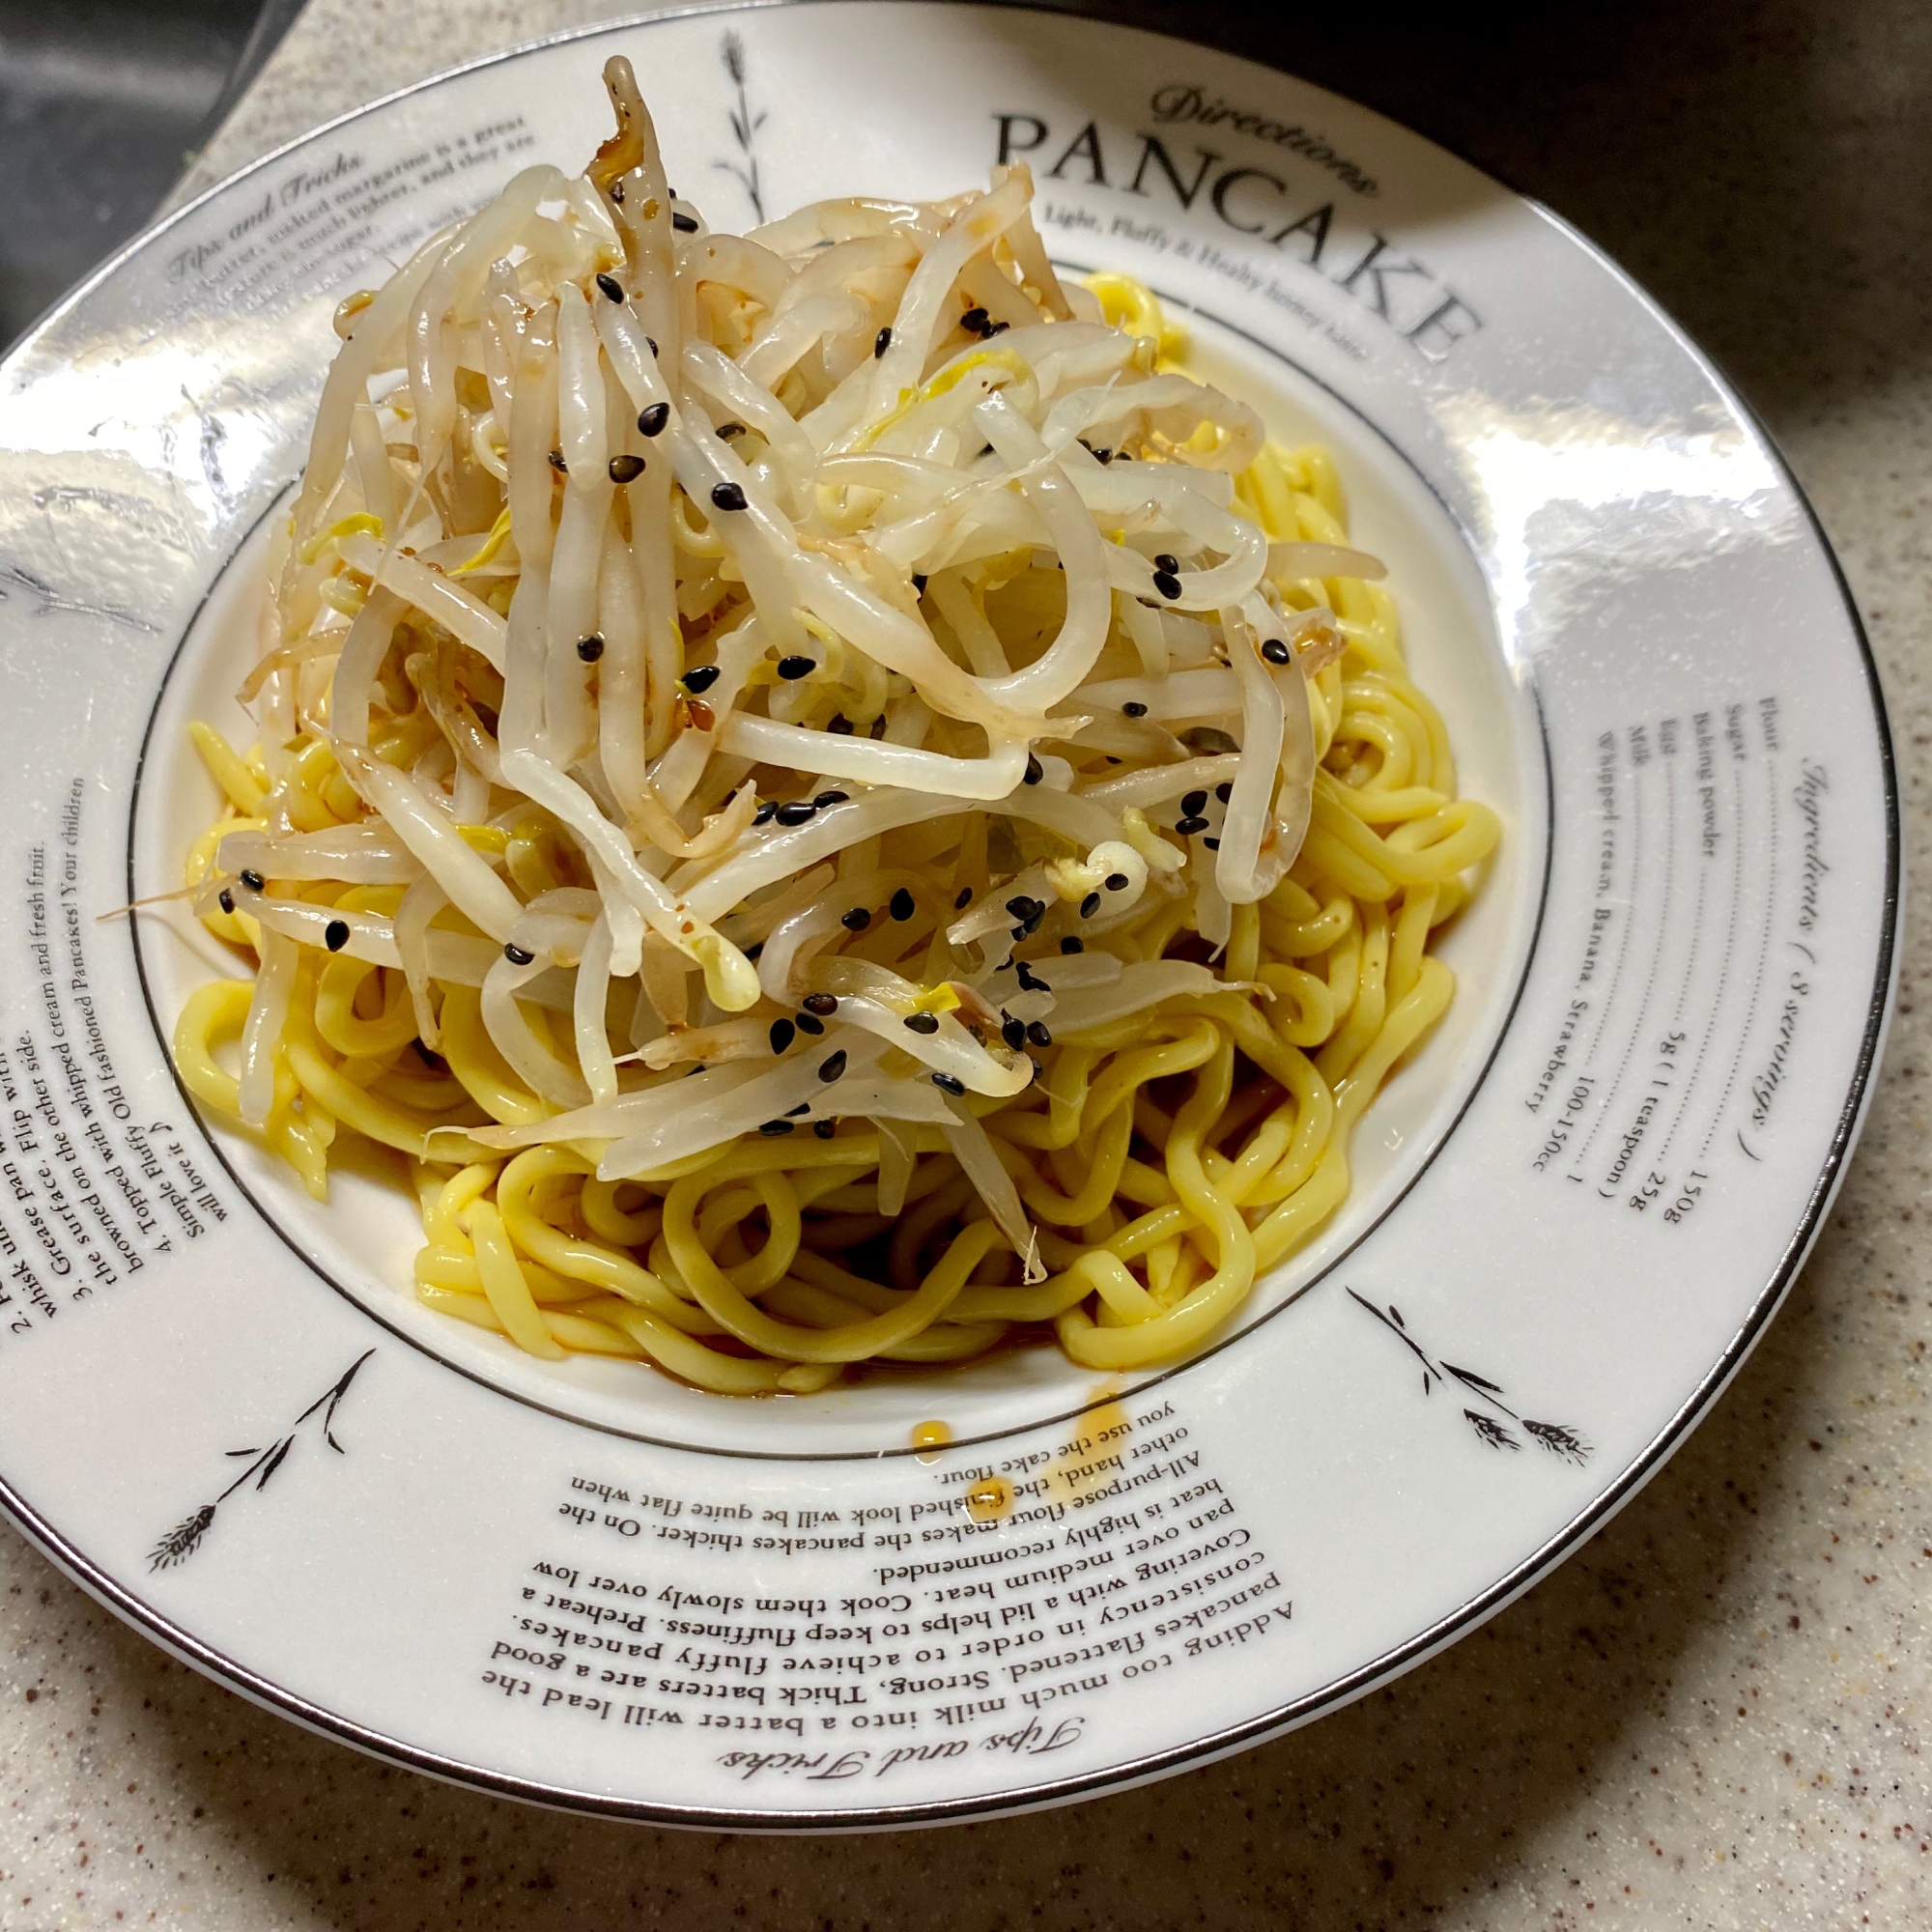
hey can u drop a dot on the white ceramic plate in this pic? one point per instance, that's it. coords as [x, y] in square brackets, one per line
[1571, 1215]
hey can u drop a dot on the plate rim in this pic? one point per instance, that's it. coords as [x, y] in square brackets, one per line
[1392, 1662]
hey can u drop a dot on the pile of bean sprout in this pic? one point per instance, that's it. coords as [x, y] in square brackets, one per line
[835, 802]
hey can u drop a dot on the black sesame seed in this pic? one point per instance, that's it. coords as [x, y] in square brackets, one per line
[918, 582]
[727, 497]
[973, 322]
[700, 677]
[807, 1024]
[226, 900]
[803, 1107]
[949, 1083]
[611, 287]
[652, 342]
[1116, 882]
[824, 1005]
[684, 224]
[1073, 943]
[652, 420]
[1167, 583]
[882, 341]
[795, 811]
[825, 1129]
[252, 879]
[766, 813]
[855, 920]
[557, 463]
[1167, 563]
[782, 1034]
[922, 1022]
[1020, 905]
[336, 934]
[901, 906]
[1029, 924]
[1187, 827]
[753, 951]
[826, 797]
[1213, 844]
[1013, 1033]
[832, 1067]
[1224, 792]
[1090, 905]
[839, 726]
[999, 328]
[626, 469]
[1103, 455]
[1133, 708]
[515, 955]
[590, 649]
[796, 666]
[1194, 804]
[962, 898]
[1035, 771]
[774, 1128]
[618, 192]
[1039, 1034]
[1276, 652]
[726, 431]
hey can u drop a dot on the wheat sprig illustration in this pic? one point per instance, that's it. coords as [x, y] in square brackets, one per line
[1559, 1438]
[186, 1536]
[745, 126]
[1490, 1430]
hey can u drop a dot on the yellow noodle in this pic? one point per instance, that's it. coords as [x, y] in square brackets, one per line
[505, 1286]
[1164, 1159]
[568, 1333]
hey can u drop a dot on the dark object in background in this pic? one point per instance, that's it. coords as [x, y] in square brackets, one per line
[102, 104]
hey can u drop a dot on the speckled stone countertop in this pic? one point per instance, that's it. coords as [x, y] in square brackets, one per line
[1711, 1717]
